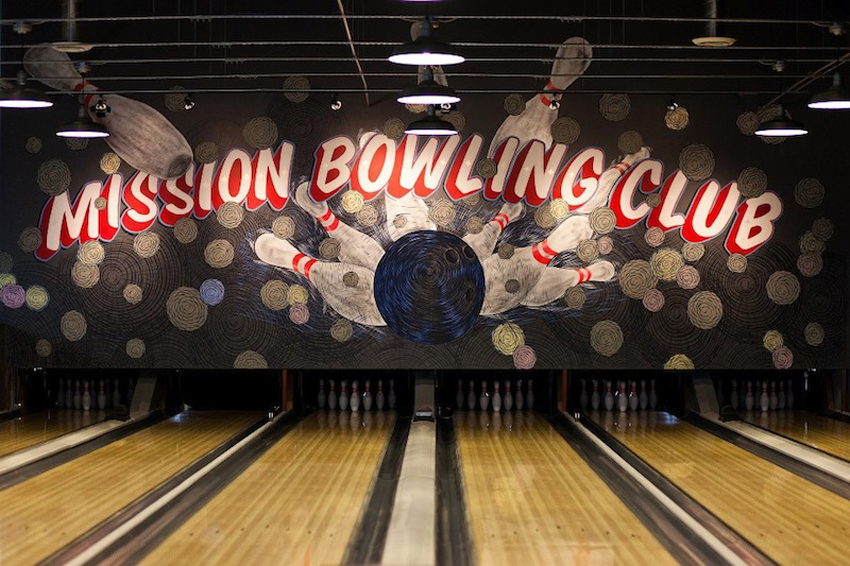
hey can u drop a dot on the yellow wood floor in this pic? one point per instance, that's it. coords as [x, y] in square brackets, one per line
[531, 499]
[789, 518]
[32, 429]
[44, 513]
[297, 504]
[829, 435]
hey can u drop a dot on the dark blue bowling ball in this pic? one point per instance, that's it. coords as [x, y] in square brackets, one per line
[429, 287]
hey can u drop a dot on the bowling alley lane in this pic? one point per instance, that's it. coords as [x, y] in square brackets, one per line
[532, 499]
[297, 504]
[787, 517]
[824, 433]
[35, 428]
[46, 512]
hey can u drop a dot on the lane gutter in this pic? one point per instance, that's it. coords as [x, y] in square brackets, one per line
[454, 536]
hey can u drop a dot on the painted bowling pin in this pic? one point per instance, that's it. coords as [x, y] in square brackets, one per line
[355, 247]
[332, 398]
[470, 397]
[322, 397]
[356, 303]
[535, 122]
[594, 397]
[140, 135]
[484, 242]
[380, 398]
[764, 400]
[509, 398]
[484, 398]
[367, 397]
[497, 398]
[101, 395]
[748, 398]
[609, 397]
[554, 281]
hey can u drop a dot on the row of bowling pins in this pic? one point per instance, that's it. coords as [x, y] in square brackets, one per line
[356, 399]
[771, 398]
[484, 400]
[621, 398]
[79, 395]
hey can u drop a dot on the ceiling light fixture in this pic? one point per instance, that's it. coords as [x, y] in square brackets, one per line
[23, 96]
[82, 127]
[782, 126]
[431, 125]
[426, 50]
[336, 104]
[836, 98]
[714, 36]
[189, 101]
[673, 103]
[428, 91]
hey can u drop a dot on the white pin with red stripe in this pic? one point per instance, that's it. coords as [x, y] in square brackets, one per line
[483, 242]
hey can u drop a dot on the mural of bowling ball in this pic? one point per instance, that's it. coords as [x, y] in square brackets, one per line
[429, 287]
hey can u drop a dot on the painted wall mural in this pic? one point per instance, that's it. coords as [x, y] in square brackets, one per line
[584, 231]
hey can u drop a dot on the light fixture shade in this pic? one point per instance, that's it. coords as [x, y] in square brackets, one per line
[431, 125]
[82, 127]
[428, 92]
[836, 98]
[425, 50]
[782, 127]
[23, 96]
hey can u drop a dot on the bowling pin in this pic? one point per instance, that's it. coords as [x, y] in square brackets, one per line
[764, 400]
[780, 403]
[509, 398]
[633, 397]
[343, 395]
[774, 398]
[609, 178]
[322, 397]
[644, 398]
[497, 398]
[653, 396]
[355, 397]
[355, 246]
[367, 396]
[609, 397]
[380, 398]
[140, 135]
[459, 395]
[78, 396]
[583, 398]
[86, 396]
[101, 395]
[519, 398]
[529, 397]
[484, 398]
[622, 398]
[332, 398]
[391, 399]
[356, 303]
[407, 214]
[554, 281]
[594, 397]
[748, 398]
[535, 122]
[116, 395]
[734, 397]
[483, 242]
[60, 396]
[69, 395]
[789, 395]
[470, 397]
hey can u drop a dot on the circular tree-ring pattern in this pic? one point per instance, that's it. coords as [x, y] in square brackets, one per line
[692, 252]
[559, 209]
[605, 245]
[329, 248]
[350, 279]
[442, 212]
[677, 119]
[809, 264]
[456, 119]
[705, 310]
[249, 359]
[6, 262]
[260, 132]
[752, 182]
[43, 348]
[212, 292]
[679, 362]
[615, 107]
[54, 177]
[565, 130]
[665, 263]
[37, 298]
[91, 253]
[342, 330]
[298, 295]
[737, 263]
[654, 236]
[783, 288]
[809, 193]
[206, 152]
[653, 300]
[697, 162]
[505, 251]
[782, 357]
[514, 104]
[85, 276]
[33, 145]
[283, 227]
[653, 200]
[275, 294]
[296, 88]
[772, 340]
[13, 296]
[810, 244]
[185, 230]
[587, 250]
[230, 215]
[110, 163]
[133, 294]
[299, 314]
[367, 216]
[185, 309]
[606, 337]
[630, 142]
[508, 337]
[146, 244]
[823, 229]
[29, 239]
[73, 326]
[524, 357]
[219, 254]
[543, 217]
[602, 220]
[748, 122]
[574, 297]
[76, 144]
[351, 201]
[486, 168]
[175, 100]
[814, 334]
[687, 277]
[394, 128]
[636, 278]
[474, 225]
[135, 348]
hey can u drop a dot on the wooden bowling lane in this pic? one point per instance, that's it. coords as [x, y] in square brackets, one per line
[46, 512]
[297, 504]
[35, 428]
[787, 517]
[823, 433]
[532, 499]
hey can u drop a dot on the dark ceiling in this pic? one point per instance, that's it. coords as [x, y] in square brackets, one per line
[640, 46]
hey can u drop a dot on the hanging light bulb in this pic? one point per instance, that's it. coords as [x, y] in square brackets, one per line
[426, 50]
[23, 96]
[82, 127]
[100, 108]
[836, 98]
[782, 126]
[336, 104]
[189, 101]
[431, 125]
[428, 91]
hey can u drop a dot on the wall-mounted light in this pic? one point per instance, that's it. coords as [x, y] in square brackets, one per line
[431, 125]
[336, 104]
[82, 127]
[426, 50]
[101, 108]
[189, 101]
